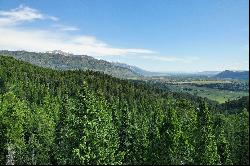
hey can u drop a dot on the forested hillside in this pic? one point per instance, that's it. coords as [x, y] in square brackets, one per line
[244, 75]
[139, 70]
[85, 117]
[64, 61]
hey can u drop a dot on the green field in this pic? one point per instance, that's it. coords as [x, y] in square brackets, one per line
[204, 82]
[214, 94]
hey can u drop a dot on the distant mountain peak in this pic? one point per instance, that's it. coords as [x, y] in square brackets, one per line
[233, 74]
[59, 52]
[58, 59]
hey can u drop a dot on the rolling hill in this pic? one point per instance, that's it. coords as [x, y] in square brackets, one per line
[64, 61]
[227, 74]
[139, 70]
[85, 117]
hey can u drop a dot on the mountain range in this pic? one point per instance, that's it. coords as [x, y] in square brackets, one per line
[65, 61]
[227, 74]
[140, 71]
[58, 59]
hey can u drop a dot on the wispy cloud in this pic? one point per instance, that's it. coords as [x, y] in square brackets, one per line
[16, 37]
[38, 40]
[238, 65]
[170, 58]
[65, 27]
[22, 14]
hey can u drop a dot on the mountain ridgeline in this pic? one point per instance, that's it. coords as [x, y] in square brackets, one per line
[65, 61]
[227, 74]
[78, 117]
[139, 70]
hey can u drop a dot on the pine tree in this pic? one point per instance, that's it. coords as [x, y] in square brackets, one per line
[12, 115]
[242, 138]
[206, 148]
[98, 137]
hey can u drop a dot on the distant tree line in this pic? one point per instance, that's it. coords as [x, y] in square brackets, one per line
[233, 86]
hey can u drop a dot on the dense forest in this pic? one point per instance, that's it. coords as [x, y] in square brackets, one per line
[232, 86]
[84, 117]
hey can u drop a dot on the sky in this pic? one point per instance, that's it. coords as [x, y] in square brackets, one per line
[155, 35]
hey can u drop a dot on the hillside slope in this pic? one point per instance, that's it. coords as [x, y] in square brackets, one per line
[244, 75]
[85, 117]
[65, 61]
[139, 70]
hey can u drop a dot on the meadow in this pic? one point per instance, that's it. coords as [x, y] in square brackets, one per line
[220, 90]
[218, 95]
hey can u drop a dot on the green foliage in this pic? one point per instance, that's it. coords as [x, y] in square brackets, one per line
[59, 61]
[98, 137]
[206, 144]
[85, 117]
[12, 114]
[241, 138]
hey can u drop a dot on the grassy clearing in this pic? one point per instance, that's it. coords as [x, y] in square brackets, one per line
[204, 82]
[214, 94]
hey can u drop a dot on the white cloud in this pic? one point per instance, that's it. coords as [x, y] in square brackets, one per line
[40, 40]
[16, 37]
[170, 58]
[65, 27]
[239, 65]
[53, 18]
[22, 14]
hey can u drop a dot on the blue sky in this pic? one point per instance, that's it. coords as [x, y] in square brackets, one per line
[156, 35]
